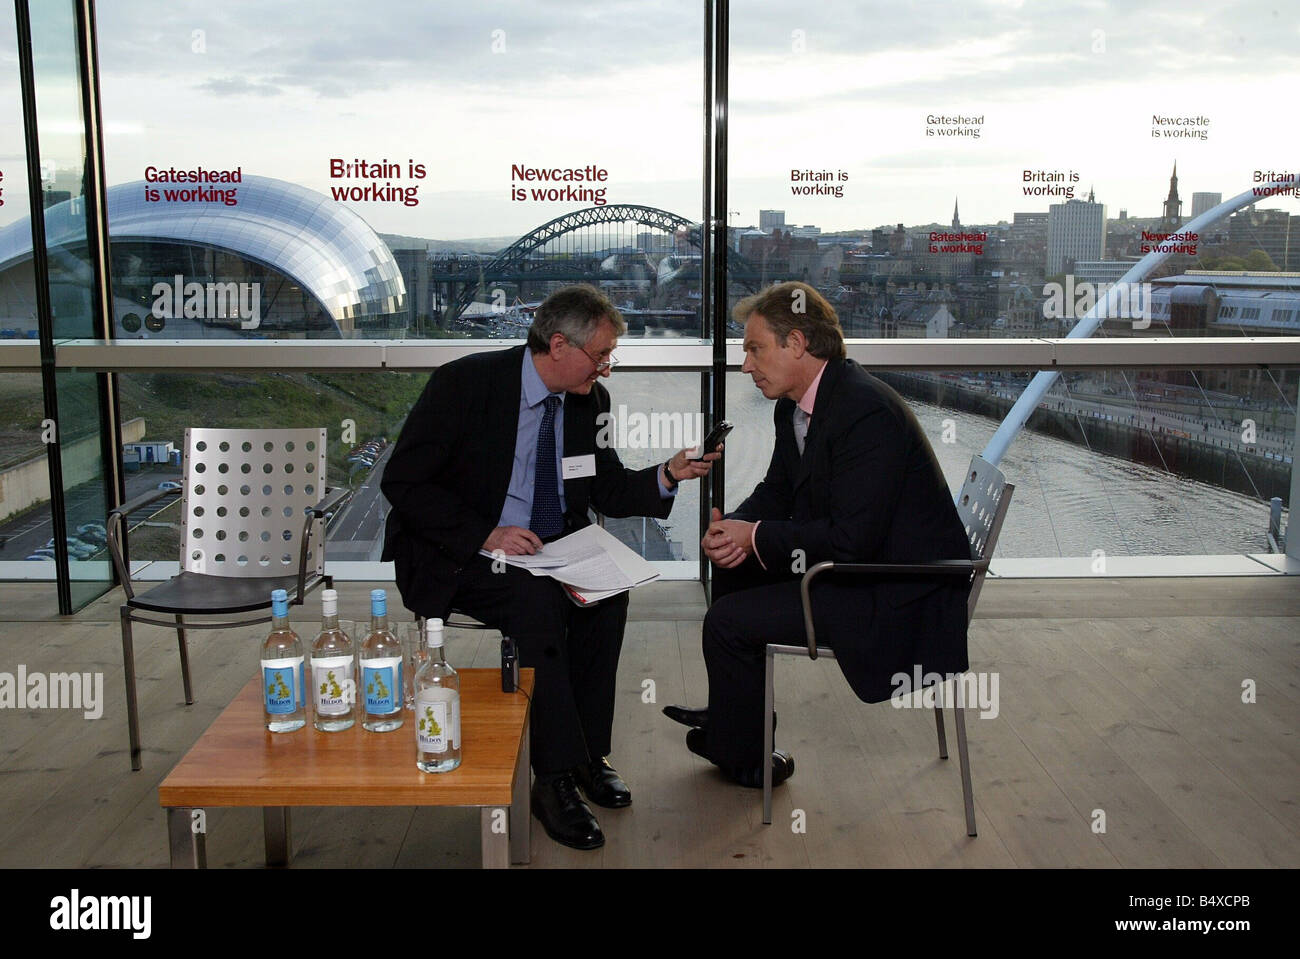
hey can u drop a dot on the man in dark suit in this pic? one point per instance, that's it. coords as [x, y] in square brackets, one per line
[501, 453]
[852, 479]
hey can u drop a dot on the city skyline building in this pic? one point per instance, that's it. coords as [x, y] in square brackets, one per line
[1267, 230]
[1204, 202]
[1076, 230]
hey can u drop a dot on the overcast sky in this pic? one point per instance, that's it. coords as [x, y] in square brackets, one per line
[279, 89]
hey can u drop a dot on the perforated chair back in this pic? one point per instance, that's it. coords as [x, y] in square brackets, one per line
[982, 505]
[245, 499]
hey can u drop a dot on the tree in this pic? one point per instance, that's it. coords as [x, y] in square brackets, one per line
[1258, 261]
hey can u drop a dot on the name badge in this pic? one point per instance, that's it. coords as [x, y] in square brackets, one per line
[576, 467]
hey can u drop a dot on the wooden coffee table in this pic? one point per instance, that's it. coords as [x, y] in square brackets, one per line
[238, 763]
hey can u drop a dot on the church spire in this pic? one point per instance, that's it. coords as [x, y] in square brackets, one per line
[1173, 211]
[956, 220]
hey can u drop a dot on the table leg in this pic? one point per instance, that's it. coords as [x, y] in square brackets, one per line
[187, 845]
[521, 815]
[278, 835]
[494, 825]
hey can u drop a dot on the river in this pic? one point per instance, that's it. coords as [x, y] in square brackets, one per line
[1068, 501]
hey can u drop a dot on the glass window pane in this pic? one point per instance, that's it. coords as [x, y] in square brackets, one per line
[410, 200]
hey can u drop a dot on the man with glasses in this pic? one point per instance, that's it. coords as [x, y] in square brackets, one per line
[501, 453]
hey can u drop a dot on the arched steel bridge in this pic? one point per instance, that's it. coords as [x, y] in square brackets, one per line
[516, 263]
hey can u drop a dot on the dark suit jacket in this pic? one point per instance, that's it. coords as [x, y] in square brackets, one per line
[868, 489]
[448, 475]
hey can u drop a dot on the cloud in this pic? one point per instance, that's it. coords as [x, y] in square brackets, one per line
[344, 48]
[995, 48]
[239, 86]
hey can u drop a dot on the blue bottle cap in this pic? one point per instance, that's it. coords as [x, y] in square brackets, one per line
[378, 602]
[279, 603]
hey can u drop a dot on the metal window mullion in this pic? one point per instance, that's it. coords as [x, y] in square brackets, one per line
[93, 180]
[44, 308]
[707, 407]
[94, 191]
[718, 226]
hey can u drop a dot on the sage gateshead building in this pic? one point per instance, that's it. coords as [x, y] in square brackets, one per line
[179, 269]
[208, 396]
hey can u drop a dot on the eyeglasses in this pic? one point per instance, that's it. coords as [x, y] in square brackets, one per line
[601, 365]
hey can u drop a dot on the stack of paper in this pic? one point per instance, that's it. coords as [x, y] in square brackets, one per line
[591, 562]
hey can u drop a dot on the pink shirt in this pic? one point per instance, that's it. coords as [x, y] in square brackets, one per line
[809, 398]
[806, 403]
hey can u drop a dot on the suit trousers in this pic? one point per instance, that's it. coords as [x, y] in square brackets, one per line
[751, 608]
[574, 652]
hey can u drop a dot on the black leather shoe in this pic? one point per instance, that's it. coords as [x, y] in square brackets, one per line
[750, 776]
[696, 718]
[565, 817]
[697, 741]
[603, 785]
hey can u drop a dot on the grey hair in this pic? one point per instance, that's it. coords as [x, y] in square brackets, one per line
[574, 312]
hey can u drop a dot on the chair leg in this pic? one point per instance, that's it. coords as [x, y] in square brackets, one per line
[769, 702]
[132, 708]
[185, 659]
[967, 794]
[943, 737]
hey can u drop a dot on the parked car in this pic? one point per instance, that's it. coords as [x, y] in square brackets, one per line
[76, 548]
[170, 486]
[40, 556]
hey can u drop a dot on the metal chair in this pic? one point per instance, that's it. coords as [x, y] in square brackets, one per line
[982, 505]
[241, 501]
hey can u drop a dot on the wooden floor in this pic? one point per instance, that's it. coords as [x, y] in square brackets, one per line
[1120, 703]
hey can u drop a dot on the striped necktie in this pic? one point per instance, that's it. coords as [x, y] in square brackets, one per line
[547, 520]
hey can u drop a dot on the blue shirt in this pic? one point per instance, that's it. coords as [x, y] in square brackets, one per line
[518, 508]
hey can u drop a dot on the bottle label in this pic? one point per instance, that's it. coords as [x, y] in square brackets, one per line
[438, 728]
[282, 685]
[382, 680]
[333, 689]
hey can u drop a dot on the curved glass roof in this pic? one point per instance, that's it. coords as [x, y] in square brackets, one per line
[329, 250]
